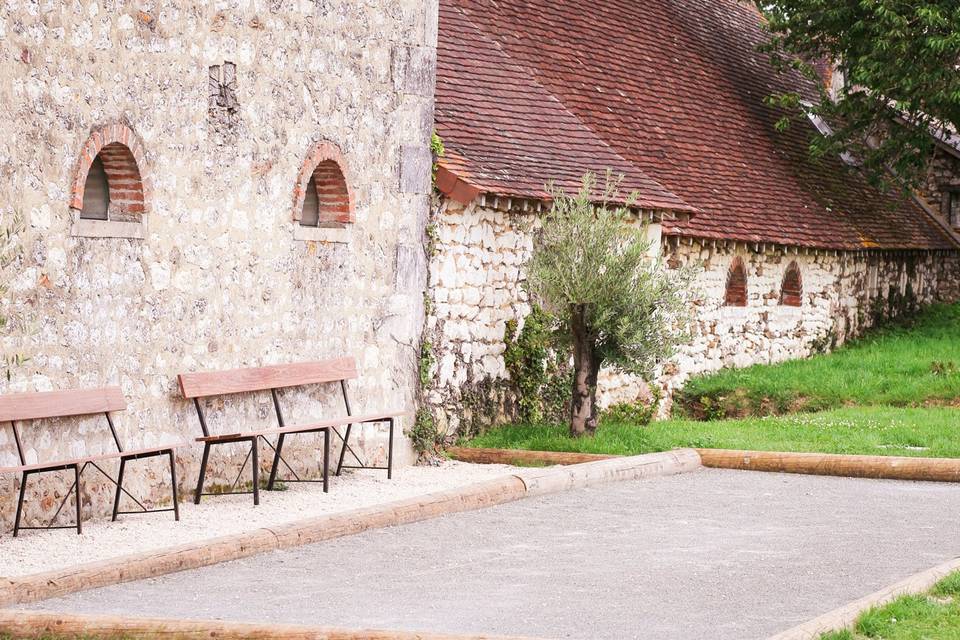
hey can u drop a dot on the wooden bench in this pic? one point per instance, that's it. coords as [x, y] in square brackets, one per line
[21, 407]
[274, 378]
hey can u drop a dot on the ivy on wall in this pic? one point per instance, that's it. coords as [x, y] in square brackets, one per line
[538, 372]
[10, 250]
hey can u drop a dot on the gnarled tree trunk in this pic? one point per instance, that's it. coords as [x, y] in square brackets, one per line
[586, 368]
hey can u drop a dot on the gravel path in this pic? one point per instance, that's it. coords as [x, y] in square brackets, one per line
[36, 551]
[705, 555]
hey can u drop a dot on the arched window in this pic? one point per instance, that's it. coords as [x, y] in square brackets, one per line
[322, 196]
[108, 186]
[791, 290]
[735, 294]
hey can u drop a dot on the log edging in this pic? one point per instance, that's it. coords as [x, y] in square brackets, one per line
[508, 488]
[522, 457]
[845, 616]
[35, 624]
[830, 464]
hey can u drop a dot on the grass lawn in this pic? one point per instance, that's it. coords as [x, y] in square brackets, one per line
[935, 615]
[928, 432]
[915, 363]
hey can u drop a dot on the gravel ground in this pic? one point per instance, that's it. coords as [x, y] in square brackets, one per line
[706, 555]
[36, 551]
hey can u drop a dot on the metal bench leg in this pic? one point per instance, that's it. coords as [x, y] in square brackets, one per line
[276, 462]
[76, 477]
[390, 452]
[256, 470]
[203, 473]
[326, 461]
[343, 449]
[173, 486]
[23, 489]
[116, 498]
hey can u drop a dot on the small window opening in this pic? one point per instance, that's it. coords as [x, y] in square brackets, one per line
[953, 208]
[791, 290]
[96, 192]
[735, 294]
[326, 200]
[310, 217]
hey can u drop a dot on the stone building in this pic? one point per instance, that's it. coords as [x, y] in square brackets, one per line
[795, 255]
[206, 186]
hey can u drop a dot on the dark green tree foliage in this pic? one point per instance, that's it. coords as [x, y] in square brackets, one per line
[899, 61]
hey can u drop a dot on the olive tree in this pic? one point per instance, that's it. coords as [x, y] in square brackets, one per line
[616, 304]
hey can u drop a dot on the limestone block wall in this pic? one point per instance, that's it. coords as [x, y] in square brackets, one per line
[224, 103]
[842, 295]
[476, 286]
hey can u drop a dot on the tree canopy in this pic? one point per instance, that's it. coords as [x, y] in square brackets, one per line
[900, 64]
[616, 303]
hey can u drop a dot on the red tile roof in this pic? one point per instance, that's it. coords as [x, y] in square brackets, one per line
[669, 93]
[509, 136]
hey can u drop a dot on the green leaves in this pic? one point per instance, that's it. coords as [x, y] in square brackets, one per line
[593, 251]
[899, 61]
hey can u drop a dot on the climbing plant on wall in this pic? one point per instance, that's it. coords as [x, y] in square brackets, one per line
[10, 250]
[539, 367]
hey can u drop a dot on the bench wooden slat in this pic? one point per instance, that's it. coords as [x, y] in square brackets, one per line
[215, 383]
[59, 404]
[113, 455]
[331, 422]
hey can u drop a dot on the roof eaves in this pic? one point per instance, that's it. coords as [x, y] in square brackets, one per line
[454, 186]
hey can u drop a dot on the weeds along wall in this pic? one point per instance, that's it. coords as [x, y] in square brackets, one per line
[476, 289]
[210, 121]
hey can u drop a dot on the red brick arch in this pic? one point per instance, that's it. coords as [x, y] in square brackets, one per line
[791, 289]
[122, 155]
[735, 294]
[325, 164]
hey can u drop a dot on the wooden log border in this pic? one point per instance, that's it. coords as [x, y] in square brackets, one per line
[522, 457]
[40, 586]
[43, 626]
[825, 464]
[845, 616]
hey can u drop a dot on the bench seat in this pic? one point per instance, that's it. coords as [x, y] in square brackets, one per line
[114, 455]
[274, 378]
[300, 428]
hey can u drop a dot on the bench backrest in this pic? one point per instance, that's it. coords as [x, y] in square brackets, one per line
[218, 383]
[18, 407]
[60, 404]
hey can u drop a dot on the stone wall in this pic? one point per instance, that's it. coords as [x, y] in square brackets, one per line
[842, 294]
[222, 104]
[476, 286]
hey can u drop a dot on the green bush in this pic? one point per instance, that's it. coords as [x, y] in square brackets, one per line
[638, 413]
[423, 434]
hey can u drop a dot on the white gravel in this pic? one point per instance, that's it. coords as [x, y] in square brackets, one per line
[39, 551]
